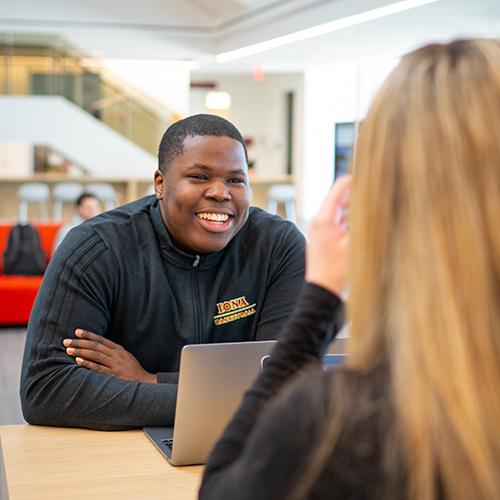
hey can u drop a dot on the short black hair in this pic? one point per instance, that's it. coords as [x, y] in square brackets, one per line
[83, 197]
[172, 142]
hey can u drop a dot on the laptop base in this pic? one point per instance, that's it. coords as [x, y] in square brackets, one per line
[159, 437]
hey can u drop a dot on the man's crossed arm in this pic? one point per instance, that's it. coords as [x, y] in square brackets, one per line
[101, 355]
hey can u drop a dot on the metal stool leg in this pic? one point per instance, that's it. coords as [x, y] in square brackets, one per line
[57, 215]
[23, 212]
[290, 210]
[44, 212]
[272, 206]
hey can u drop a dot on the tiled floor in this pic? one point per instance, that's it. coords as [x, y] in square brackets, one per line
[11, 354]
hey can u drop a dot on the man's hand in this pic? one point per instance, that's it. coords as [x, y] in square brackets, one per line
[328, 246]
[103, 356]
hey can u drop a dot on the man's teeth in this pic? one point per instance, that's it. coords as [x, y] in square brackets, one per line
[213, 217]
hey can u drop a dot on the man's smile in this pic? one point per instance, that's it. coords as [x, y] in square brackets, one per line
[216, 222]
[212, 216]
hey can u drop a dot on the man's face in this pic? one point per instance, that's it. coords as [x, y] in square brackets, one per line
[89, 207]
[204, 193]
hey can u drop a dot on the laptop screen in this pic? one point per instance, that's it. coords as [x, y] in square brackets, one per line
[329, 360]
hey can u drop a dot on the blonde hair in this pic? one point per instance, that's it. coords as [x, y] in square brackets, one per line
[425, 263]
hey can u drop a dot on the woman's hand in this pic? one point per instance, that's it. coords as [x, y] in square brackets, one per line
[328, 243]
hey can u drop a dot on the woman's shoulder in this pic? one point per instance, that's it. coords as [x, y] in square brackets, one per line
[358, 401]
[343, 407]
[340, 382]
[358, 397]
[350, 410]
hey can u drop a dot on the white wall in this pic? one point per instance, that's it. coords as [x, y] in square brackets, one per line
[339, 92]
[258, 110]
[16, 159]
[61, 125]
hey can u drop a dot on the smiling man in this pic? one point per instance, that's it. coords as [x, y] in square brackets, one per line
[203, 193]
[127, 290]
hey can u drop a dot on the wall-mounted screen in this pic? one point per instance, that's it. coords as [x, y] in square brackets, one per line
[345, 135]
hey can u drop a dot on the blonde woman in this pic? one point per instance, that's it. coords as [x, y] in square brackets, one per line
[415, 412]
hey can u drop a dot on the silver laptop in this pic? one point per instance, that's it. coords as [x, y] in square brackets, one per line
[212, 381]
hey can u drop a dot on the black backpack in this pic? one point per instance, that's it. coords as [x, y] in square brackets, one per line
[24, 254]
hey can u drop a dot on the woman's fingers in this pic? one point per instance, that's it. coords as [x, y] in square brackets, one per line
[337, 198]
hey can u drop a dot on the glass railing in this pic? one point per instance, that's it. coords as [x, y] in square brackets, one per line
[57, 69]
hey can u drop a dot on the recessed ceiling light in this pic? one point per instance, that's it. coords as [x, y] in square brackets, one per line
[321, 29]
[217, 100]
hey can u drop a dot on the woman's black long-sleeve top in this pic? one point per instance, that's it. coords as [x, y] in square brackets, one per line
[264, 451]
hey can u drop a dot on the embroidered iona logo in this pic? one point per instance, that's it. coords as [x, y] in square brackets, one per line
[233, 309]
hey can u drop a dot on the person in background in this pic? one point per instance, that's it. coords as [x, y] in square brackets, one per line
[125, 291]
[87, 206]
[415, 411]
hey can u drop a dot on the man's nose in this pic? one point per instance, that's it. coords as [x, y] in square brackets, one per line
[218, 190]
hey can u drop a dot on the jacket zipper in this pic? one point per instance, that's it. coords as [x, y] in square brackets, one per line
[196, 300]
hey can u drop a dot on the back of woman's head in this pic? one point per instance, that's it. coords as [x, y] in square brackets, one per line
[425, 262]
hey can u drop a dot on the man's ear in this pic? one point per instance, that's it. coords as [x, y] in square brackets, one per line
[159, 184]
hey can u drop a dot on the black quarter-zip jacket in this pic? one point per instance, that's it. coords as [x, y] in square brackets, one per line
[120, 276]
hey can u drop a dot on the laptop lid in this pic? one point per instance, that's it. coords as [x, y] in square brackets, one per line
[212, 381]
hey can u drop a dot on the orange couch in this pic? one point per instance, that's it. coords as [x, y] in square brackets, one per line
[17, 293]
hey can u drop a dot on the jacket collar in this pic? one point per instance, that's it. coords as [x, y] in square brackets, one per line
[175, 255]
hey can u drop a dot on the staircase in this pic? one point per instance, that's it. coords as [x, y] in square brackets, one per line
[54, 68]
[57, 123]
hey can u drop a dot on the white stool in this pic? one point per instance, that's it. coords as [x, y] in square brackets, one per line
[105, 192]
[64, 192]
[32, 192]
[285, 194]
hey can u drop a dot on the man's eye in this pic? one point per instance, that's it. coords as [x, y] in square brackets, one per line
[237, 180]
[199, 177]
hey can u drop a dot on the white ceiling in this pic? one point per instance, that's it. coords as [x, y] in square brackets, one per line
[199, 29]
